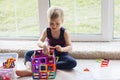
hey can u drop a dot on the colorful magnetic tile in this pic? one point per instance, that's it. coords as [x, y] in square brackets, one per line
[51, 75]
[43, 75]
[35, 67]
[51, 54]
[56, 59]
[36, 75]
[105, 63]
[43, 65]
[43, 68]
[35, 61]
[43, 60]
[50, 60]
[51, 67]
[39, 53]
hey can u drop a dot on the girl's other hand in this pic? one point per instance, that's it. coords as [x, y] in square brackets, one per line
[59, 48]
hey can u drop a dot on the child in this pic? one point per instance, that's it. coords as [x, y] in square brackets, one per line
[57, 38]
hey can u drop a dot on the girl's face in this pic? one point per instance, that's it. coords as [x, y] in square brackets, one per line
[55, 24]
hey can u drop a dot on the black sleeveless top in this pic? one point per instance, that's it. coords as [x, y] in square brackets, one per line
[60, 41]
[52, 41]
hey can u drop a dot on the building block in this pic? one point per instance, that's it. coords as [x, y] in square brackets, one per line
[43, 68]
[86, 70]
[43, 65]
[10, 63]
[36, 75]
[105, 63]
[44, 75]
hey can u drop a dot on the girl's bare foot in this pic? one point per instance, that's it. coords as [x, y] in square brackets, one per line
[23, 73]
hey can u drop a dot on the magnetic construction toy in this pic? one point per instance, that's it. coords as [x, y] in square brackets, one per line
[43, 65]
[10, 63]
[6, 71]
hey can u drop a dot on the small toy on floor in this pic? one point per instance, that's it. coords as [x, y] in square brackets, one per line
[99, 60]
[86, 70]
[43, 65]
[105, 63]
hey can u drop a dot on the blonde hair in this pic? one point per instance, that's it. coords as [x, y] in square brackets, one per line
[55, 12]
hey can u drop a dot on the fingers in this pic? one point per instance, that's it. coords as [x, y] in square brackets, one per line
[58, 48]
[46, 49]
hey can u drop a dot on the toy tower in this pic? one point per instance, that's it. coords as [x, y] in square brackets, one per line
[43, 65]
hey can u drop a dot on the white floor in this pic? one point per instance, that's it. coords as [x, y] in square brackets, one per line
[112, 72]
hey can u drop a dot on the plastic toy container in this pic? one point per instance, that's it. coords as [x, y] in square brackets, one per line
[7, 73]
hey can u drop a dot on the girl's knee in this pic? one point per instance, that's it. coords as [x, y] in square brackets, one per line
[29, 53]
[72, 63]
[27, 56]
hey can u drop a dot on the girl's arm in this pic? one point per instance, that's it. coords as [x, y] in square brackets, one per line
[41, 43]
[68, 46]
[42, 38]
[68, 42]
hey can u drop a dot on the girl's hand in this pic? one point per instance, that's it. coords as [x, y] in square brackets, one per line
[59, 48]
[46, 49]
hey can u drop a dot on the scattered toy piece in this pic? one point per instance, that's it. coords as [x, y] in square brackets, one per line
[57, 58]
[99, 60]
[105, 63]
[86, 69]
